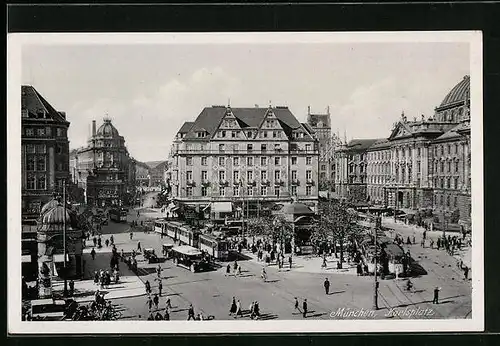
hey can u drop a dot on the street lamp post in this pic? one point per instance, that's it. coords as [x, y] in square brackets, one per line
[376, 284]
[65, 293]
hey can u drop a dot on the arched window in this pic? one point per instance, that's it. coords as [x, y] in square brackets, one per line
[447, 201]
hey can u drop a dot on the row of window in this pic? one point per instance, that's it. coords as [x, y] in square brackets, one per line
[44, 131]
[442, 201]
[42, 148]
[446, 149]
[448, 166]
[238, 134]
[249, 147]
[250, 191]
[236, 175]
[36, 182]
[249, 161]
[447, 183]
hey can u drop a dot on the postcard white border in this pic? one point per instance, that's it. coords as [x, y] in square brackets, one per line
[16, 326]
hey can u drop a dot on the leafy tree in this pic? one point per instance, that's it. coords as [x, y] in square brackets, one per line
[339, 224]
[281, 229]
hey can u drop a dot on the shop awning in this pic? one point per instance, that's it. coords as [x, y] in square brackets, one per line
[221, 207]
[408, 211]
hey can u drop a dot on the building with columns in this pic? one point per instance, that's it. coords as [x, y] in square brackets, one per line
[257, 155]
[423, 164]
[104, 168]
[44, 153]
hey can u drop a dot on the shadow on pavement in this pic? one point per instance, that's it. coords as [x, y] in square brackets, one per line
[268, 316]
[336, 292]
[272, 281]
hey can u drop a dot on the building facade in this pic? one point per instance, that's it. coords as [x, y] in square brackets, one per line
[254, 154]
[321, 125]
[103, 168]
[351, 167]
[423, 164]
[44, 153]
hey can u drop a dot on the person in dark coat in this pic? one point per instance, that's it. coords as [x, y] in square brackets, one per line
[232, 309]
[92, 253]
[71, 287]
[228, 270]
[191, 313]
[95, 241]
[160, 287]
[156, 301]
[304, 308]
[436, 295]
[466, 273]
[326, 284]
[166, 316]
[290, 262]
[148, 287]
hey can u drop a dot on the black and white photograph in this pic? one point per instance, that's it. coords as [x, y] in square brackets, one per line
[245, 182]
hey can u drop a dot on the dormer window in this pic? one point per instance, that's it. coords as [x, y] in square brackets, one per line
[201, 134]
[249, 134]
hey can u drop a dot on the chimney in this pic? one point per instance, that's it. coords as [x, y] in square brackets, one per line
[308, 110]
[93, 128]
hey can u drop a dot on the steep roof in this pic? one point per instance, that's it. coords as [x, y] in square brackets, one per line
[34, 103]
[380, 144]
[454, 132]
[361, 144]
[186, 127]
[210, 117]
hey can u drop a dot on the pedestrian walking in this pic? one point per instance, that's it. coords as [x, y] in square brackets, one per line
[158, 271]
[191, 313]
[235, 266]
[166, 316]
[95, 241]
[413, 239]
[326, 284]
[251, 310]
[168, 304]
[263, 275]
[425, 234]
[96, 278]
[122, 255]
[160, 288]
[106, 242]
[112, 240]
[148, 287]
[156, 301]
[131, 235]
[71, 288]
[238, 309]
[422, 243]
[304, 308]
[290, 262]
[436, 295]
[149, 303]
[324, 264]
[239, 270]
[296, 305]
[139, 246]
[232, 308]
[138, 213]
[466, 273]
[228, 270]
[92, 253]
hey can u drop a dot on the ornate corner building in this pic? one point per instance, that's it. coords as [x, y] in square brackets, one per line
[423, 164]
[256, 155]
[104, 168]
[44, 153]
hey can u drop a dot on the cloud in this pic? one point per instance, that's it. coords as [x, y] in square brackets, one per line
[149, 122]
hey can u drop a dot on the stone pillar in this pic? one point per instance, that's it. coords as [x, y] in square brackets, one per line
[45, 267]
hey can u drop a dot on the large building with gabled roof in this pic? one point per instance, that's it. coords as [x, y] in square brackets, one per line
[44, 152]
[260, 155]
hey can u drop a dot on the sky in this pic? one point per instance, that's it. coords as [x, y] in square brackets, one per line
[149, 91]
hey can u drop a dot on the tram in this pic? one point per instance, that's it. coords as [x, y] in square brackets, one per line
[216, 247]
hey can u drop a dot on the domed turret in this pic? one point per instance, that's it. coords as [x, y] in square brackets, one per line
[49, 205]
[54, 218]
[460, 92]
[107, 130]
